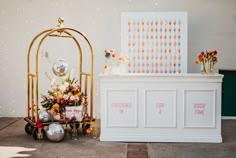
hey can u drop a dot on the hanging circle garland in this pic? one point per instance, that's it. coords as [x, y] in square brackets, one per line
[60, 67]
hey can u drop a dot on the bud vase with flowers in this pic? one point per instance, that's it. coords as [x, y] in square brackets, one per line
[114, 64]
[208, 60]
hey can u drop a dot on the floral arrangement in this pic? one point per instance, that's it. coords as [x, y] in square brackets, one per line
[208, 60]
[68, 93]
[113, 60]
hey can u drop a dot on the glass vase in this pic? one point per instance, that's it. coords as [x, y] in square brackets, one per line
[207, 68]
[115, 69]
[123, 68]
[74, 132]
[67, 131]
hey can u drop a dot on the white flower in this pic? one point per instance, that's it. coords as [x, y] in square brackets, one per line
[66, 97]
[51, 97]
[72, 97]
[62, 88]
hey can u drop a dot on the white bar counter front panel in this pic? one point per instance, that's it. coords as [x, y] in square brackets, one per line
[161, 108]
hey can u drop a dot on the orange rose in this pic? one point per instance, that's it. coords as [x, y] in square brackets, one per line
[53, 111]
[79, 94]
[60, 96]
[56, 106]
[200, 58]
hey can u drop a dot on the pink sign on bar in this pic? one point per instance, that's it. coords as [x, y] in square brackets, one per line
[199, 108]
[121, 106]
[160, 106]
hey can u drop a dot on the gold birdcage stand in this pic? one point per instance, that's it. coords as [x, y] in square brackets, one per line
[32, 78]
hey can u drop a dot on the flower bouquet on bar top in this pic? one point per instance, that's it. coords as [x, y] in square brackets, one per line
[208, 60]
[114, 64]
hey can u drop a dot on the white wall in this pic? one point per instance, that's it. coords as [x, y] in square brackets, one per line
[211, 25]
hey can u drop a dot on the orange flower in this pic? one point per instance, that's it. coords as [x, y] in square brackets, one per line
[55, 109]
[79, 94]
[55, 106]
[200, 58]
[89, 130]
[120, 58]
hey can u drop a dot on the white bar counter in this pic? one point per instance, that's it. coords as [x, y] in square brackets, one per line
[161, 107]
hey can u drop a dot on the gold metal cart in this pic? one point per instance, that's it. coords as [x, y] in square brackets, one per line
[33, 76]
